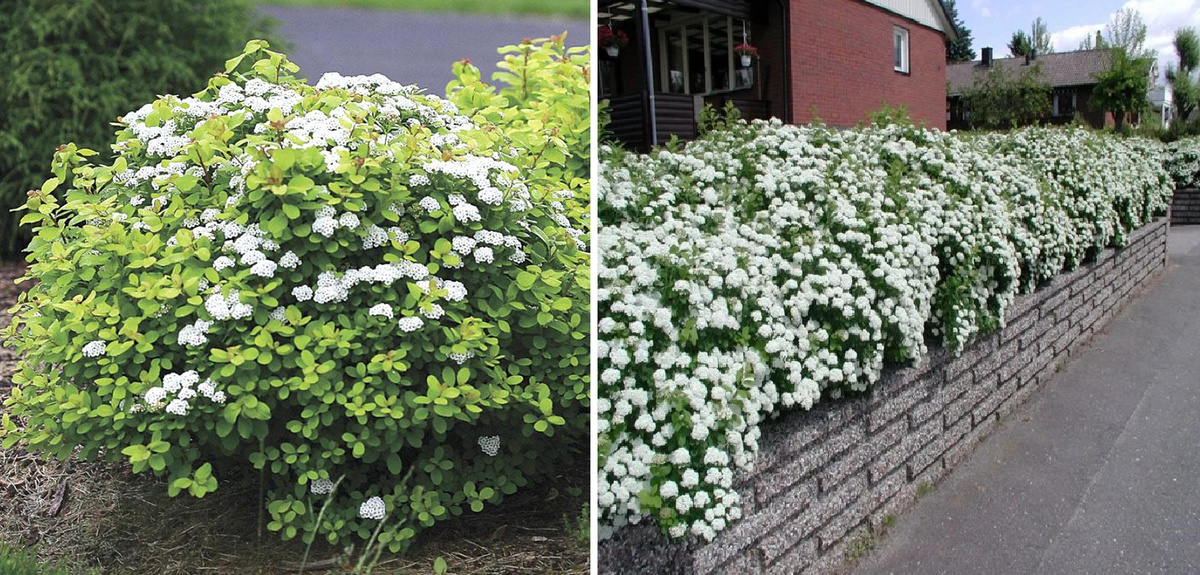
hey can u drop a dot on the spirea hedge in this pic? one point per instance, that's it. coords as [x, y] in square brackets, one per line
[351, 284]
[1182, 161]
[768, 267]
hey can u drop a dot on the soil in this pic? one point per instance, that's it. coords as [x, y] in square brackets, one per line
[98, 517]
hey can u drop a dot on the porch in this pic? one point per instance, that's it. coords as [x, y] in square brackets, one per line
[675, 115]
[680, 57]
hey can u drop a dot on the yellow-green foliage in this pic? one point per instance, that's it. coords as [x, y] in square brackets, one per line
[348, 280]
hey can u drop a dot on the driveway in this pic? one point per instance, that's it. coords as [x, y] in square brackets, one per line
[408, 47]
[1097, 474]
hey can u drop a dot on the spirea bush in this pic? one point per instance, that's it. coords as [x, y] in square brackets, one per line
[1182, 161]
[68, 69]
[544, 105]
[768, 267]
[342, 282]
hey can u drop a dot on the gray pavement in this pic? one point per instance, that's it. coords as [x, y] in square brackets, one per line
[1098, 474]
[408, 47]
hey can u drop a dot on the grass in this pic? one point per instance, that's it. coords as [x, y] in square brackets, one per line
[860, 547]
[563, 8]
[20, 562]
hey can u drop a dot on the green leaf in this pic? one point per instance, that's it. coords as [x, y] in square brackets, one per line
[525, 280]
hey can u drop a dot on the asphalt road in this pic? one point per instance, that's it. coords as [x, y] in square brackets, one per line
[410, 48]
[1099, 473]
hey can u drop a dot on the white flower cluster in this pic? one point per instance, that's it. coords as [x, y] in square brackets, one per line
[771, 266]
[372, 508]
[94, 348]
[1182, 161]
[178, 390]
[490, 444]
[195, 334]
[227, 307]
[321, 486]
[410, 324]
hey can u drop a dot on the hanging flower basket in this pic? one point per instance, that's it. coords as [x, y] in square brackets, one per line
[746, 52]
[611, 40]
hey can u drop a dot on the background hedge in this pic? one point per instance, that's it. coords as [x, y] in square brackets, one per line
[68, 69]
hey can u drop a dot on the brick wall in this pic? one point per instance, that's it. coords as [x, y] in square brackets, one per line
[842, 64]
[1185, 207]
[824, 476]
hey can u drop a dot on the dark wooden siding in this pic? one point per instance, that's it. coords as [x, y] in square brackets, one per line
[630, 123]
[676, 116]
[627, 123]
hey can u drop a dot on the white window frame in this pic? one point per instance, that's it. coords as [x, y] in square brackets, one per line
[900, 43]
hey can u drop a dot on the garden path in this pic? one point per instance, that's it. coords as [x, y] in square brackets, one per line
[1098, 473]
[407, 47]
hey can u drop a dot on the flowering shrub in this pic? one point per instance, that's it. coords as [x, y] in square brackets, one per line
[767, 267]
[545, 107]
[344, 281]
[1182, 161]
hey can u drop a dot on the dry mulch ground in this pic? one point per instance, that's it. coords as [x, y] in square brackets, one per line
[100, 516]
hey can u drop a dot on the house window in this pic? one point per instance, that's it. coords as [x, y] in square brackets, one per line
[900, 49]
[696, 55]
[1064, 103]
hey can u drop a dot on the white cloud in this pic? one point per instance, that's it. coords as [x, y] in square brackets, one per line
[1162, 18]
[983, 7]
[1069, 39]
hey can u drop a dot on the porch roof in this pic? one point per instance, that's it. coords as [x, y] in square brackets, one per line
[619, 10]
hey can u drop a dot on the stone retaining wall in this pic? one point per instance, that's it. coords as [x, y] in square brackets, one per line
[824, 477]
[1185, 207]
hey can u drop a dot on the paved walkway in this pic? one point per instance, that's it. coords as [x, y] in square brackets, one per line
[408, 47]
[1098, 474]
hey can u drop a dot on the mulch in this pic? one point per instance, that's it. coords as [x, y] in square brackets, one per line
[9, 291]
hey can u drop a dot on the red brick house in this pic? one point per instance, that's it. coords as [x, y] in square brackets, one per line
[836, 60]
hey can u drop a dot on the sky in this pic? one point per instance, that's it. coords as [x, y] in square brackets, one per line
[993, 22]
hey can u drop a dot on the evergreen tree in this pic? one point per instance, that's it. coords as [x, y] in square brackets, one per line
[958, 50]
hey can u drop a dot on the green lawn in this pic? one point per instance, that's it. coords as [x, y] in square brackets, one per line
[567, 8]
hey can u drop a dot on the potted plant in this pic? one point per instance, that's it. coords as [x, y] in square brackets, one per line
[612, 40]
[746, 52]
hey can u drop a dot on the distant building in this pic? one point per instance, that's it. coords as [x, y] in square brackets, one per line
[1072, 76]
[1162, 105]
[837, 60]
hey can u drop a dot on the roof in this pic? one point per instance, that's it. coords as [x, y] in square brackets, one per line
[1060, 69]
[931, 13]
